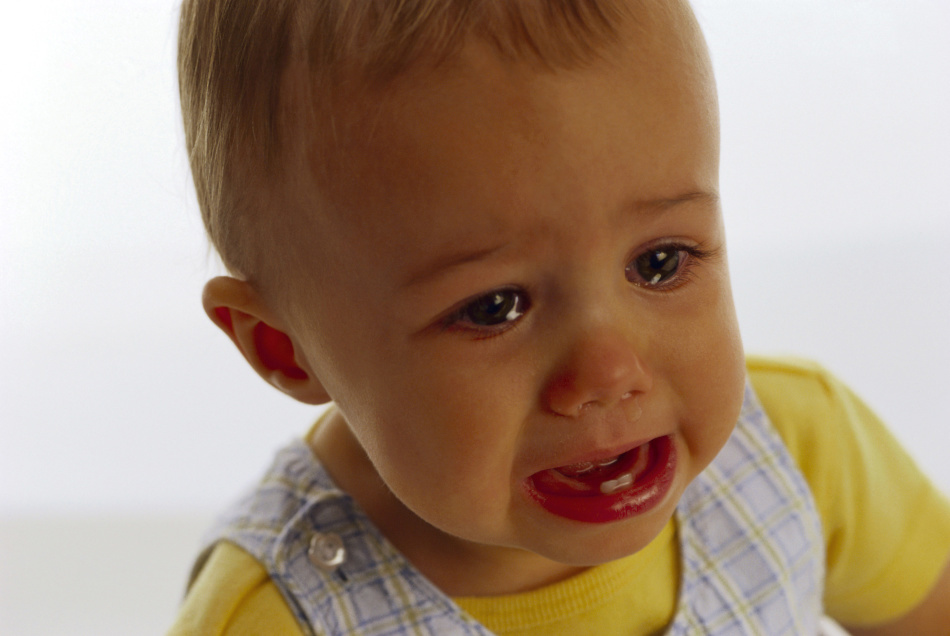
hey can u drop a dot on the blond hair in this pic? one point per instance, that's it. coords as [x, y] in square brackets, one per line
[233, 56]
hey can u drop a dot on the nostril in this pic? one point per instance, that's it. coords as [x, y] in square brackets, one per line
[630, 406]
[598, 372]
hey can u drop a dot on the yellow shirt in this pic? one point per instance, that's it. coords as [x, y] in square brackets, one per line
[886, 529]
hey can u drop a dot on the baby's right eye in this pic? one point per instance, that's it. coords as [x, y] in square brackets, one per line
[492, 312]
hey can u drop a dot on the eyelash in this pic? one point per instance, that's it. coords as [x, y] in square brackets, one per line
[456, 321]
[681, 275]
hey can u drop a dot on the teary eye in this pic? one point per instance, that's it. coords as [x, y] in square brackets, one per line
[660, 267]
[494, 308]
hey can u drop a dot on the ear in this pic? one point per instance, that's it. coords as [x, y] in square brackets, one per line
[236, 308]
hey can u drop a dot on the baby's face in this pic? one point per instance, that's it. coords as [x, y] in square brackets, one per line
[517, 294]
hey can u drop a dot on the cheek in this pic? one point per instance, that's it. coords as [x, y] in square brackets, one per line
[462, 486]
[701, 346]
[707, 374]
[444, 447]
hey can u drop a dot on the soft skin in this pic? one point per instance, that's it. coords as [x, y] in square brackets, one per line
[551, 187]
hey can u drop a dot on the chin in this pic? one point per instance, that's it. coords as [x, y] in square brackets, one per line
[586, 545]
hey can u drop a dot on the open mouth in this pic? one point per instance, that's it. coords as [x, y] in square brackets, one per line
[607, 476]
[610, 489]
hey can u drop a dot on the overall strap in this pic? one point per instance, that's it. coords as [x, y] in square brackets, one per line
[752, 548]
[336, 571]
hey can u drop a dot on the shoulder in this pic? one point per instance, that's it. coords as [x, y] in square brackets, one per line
[834, 437]
[804, 402]
[839, 443]
[791, 388]
[232, 594]
[886, 527]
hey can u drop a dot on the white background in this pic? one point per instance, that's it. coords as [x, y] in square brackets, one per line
[126, 419]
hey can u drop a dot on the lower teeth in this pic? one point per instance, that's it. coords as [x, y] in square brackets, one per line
[624, 481]
[611, 486]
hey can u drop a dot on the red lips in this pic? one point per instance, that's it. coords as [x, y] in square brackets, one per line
[630, 486]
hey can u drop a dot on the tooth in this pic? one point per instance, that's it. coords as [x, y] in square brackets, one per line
[611, 486]
[576, 470]
[608, 462]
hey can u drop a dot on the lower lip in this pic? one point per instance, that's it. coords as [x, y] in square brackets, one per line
[647, 491]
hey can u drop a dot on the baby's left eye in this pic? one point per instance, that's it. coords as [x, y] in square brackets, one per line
[659, 267]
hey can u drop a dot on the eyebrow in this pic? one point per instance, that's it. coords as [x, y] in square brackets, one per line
[450, 261]
[455, 259]
[661, 205]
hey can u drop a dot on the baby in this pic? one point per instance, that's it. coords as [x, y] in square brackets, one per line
[490, 232]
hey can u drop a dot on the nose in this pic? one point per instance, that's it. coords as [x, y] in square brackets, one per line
[602, 368]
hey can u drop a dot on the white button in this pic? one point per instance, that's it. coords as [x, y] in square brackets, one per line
[327, 551]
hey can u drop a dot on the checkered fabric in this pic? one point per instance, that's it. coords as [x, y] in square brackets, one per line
[750, 537]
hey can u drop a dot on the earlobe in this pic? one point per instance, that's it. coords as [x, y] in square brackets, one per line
[235, 307]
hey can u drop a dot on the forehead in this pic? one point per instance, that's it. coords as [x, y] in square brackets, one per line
[452, 149]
